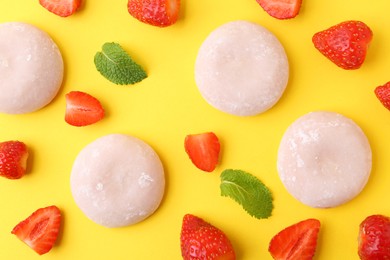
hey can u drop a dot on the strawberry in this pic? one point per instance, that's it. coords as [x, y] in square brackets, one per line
[161, 13]
[345, 44]
[61, 8]
[374, 238]
[40, 230]
[203, 150]
[13, 159]
[201, 240]
[82, 109]
[383, 94]
[296, 242]
[281, 9]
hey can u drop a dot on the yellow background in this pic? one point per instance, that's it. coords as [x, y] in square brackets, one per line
[167, 106]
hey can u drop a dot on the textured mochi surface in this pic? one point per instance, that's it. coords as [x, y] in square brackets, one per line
[117, 180]
[31, 68]
[241, 69]
[324, 159]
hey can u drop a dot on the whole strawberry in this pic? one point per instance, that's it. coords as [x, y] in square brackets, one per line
[345, 44]
[13, 159]
[161, 13]
[383, 94]
[374, 238]
[201, 240]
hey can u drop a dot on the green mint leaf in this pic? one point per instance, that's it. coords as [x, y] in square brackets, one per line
[248, 191]
[117, 66]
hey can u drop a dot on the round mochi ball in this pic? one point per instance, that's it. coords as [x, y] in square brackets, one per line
[241, 69]
[324, 159]
[31, 68]
[117, 180]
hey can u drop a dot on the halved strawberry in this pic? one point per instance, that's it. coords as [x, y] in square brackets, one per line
[40, 230]
[296, 242]
[61, 8]
[383, 94]
[82, 109]
[201, 240]
[374, 238]
[203, 150]
[345, 44]
[159, 13]
[281, 9]
[13, 159]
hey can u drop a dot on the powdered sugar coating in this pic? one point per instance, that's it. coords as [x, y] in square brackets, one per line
[241, 69]
[31, 68]
[324, 159]
[117, 180]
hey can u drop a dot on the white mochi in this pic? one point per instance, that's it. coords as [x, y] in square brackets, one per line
[241, 69]
[324, 159]
[31, 68]
[117, 180]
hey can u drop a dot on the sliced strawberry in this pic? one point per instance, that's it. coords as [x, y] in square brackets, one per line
[345, 44]
[383, 94]
[201, 240]
[82, 109]
[159, 13]
[61, 8]
[281, 9]
[40, 230]
[374, 238]
[203, 150]
[296, 242]
[13, 159]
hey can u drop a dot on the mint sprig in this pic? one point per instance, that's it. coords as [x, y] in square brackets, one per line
[115, 64]
[248, 191]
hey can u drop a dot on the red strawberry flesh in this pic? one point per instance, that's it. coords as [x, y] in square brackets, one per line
[82, 109]
[281, 9]
[161, 13]
[203, 150]
[374, 238]
[40, 230]
[201, 240]
[61, 8]
[296, 242]
[345, 44]
[13, 159]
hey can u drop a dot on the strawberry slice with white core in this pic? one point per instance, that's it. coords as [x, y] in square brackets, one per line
[82, 109]
[203, 150]
[40, 230]
[61, 8]
[281, 9]
[296, 242]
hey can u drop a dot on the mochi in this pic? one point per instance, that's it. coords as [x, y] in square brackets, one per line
[31, 68]
[117, 180]
[324, 159]
[241, 69]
